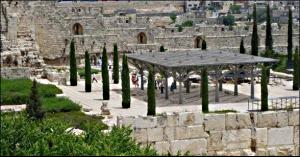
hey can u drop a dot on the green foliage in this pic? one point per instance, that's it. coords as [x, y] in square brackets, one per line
[34, 107]
[173, 17]
[151, 93]
[281, 66]
[125, 84]
[296, 70]
[228, 20]
[105, 76]
[187, 23]
[59, 105]
[203, 46]
[17, 91]
[242, 48]
[161, 49]
[116, 65]
[81, 71]
[73, 66]
[254, 38]
[204, 91]
[22, 137]
[264, 89]
[235, 9]
[269, 39]
[87, 76]
[290, 39]
[180, 28]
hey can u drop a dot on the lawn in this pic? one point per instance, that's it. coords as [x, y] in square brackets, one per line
[81, 71]
[17, 91]
[54, 105]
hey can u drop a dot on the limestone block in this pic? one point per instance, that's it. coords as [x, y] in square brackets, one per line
[140, 135]
[296, 135]
[231, 121]
[189, 118]
[220, 153]
[162, 147]
[233, 153]
[145, 122]
[236, 139]
[294, 117]
[169, 133]
[172, 119]
[162, 120]
[194, 146]
[266, 119]
[126, 121]
[247, 152]
[214, 141]
[297, 150]
[181, 133]
[214, 122]
[285, 150]
[280, 136]
[196, 131]
[282, 118]
[261, 137]
[155, 134]
[261, 152]
[243, 120]
[272, 151]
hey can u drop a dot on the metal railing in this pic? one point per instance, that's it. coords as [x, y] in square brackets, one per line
[279, 103]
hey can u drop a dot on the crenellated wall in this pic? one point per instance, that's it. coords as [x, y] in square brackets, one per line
[257, 133]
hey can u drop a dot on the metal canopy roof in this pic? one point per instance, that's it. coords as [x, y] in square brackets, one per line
[197, 58]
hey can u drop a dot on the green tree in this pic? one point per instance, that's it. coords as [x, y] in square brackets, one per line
[187, 23]
[73, 67]
[235, 9]
[296, 70]
[180, 29]
[125, 84]
[161, 49]
[254, 39]
[290, 40]
[264, 89]
[203, 46]
[87, 75]
[228, 20]
[269, 39]
[116, 65]
[204, 90]
[34, 106]
[242, 48]
[151, 93]
[173, 17]
[105, 76]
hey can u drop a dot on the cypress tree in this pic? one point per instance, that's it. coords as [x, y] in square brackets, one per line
[264, 89]
[269, 39]
[105, 76]
[242, 48]
[203, 46]
[161, 49]
[87, 75]
[204, 90]
[254, 39]
[151, 93]
[116, 65]
[290, 40]
[125, 84]
[296, 70]
[73, 67]
[34, 106]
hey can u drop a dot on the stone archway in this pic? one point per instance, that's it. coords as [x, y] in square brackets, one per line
[142, 39]
[77, 29]
[198, 42]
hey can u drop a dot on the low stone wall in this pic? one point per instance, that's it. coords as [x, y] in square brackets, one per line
[15, 72]
[257, 133]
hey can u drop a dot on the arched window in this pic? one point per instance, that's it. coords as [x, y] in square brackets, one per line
[77, 29]
[198, 42]
[142, 39]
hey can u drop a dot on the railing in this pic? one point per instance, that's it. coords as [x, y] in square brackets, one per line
[280, 103]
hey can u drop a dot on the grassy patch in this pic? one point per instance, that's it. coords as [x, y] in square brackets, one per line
[17, 91]
[59, 105]
[81, 71]
[281, 66]
[223, 111]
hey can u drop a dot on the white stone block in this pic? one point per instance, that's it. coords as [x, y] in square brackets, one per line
[145, 122]
[126, 121]
[194, 146]
[272, 151]
[198, 118]
[181, 133]
[196, 131]
[266, 119]
[280, 136]
[214, 122]
[261, 152]
[214, 141]
[169, 133]
[186, 118]
[140, 135]
[231, 121]
[162, 120]
[162, 148]
[233, 153]
[285, 150]
[243, 120]
[172, 119]
[297, 150]
[282, 118]
[294, 117]
[155, 134]
[296, 135]
[261, 137]
[236, 139]
[247, 152]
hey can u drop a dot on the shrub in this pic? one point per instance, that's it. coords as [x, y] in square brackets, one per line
[173, 17]
[264, 89]
[228, 20]
[87, 76]
[125, 84]
[59, 105]
[187, 23]
[296, 70]
[34, 106]
[204, 91]
[105, 76]
[73, 66]
[81, 71]
[116, 65]
[180, 28]
[151, 93]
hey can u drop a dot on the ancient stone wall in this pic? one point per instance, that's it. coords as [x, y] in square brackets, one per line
[256, 133]
[15, 72]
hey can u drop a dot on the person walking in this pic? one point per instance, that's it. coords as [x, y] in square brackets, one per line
[94, 78]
